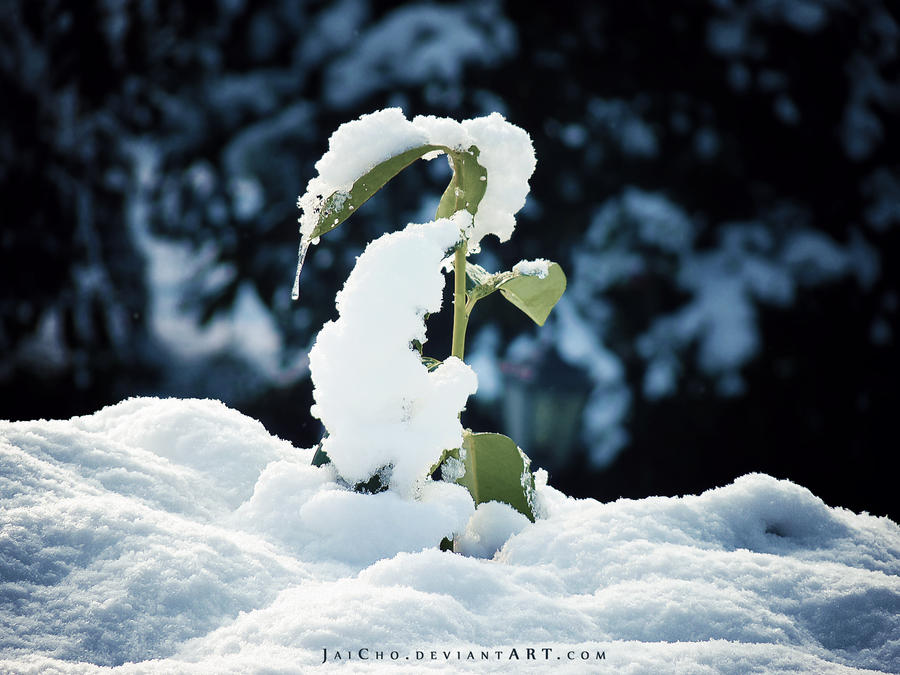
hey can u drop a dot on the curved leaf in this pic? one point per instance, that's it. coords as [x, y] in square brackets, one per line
[496, 470]
[534, 295]
[466, 188]
[320, 457]
[338, 206]
[430, 363]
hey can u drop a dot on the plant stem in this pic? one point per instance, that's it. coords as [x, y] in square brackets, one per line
[460, 319]
[460, 315]
[452, 201]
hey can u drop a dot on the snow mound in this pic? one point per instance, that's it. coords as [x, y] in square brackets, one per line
[380, 404]
[161, 536]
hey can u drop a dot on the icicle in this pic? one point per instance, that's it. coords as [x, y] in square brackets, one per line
[301, 256]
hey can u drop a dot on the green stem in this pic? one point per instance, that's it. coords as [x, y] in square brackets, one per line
[452, 201]
[450, 204]
[460, 315]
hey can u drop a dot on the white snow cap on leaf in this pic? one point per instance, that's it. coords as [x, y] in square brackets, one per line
[356, 147]
[539, 268]
[443, 131]
[377, 400]
[508, 155]
[359, 145]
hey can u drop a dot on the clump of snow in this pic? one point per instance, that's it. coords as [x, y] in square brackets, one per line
[359, 145]
[380, 405]
[444, 131]
[489, 528]
[306, 512]
[539, 268]
[122, 546]
[505, 151]
[508, 156]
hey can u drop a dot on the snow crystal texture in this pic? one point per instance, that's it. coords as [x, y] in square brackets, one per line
[161, 536]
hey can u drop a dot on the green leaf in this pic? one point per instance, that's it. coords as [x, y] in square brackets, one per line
[473, 177]
[430, 363]
[467, 186]
[465, 190]
[496, 470]
[339, 206]
[480, 281]
[320, 457]
[534, 295]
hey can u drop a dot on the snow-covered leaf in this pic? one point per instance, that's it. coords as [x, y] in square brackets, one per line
[338, 206]
[465, 190]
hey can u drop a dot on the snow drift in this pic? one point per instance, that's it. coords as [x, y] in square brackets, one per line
[179, 536]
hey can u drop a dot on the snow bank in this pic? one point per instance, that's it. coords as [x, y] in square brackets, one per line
[179, 536]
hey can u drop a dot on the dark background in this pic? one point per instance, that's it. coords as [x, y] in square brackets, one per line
[720, 180]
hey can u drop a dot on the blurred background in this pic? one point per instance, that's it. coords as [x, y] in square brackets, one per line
[720, 180]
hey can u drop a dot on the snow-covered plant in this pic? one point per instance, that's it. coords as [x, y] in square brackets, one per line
[391, 414]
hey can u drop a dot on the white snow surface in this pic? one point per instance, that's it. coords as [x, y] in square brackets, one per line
[378, 402]
[506, 152]
[164, 536]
